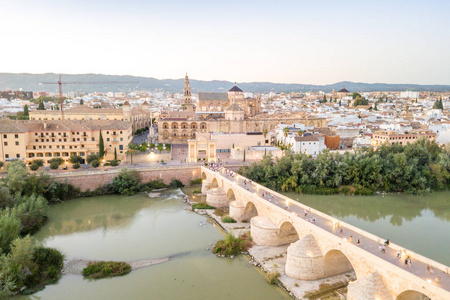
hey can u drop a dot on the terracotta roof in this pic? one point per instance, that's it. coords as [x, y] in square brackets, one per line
[343, 90]
[61, 125]
[126, 103]
[308, 138]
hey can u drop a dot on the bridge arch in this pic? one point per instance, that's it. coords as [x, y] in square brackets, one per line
[288, 233]
[412, 295]
[230, 195]
[250, 211]
[336, 262]
[204, 176]
[214, 183]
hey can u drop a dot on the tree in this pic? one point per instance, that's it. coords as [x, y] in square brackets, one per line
[300, 132]
[9, 229]
[143, 147]
[167, 146]
[340, 103]
[375, 107]
[324, 100]
[438, 104]
[91, 157]
[115, 153]
[81, 102]
[101, 146]
[160, 147]
[356, 95]
[126, 182]
[131, 149]
[360, 101]
[95, 163]
[285, 133]
[55, 162]
[75, 159]
[265, 132]
[25, 111]
[244, 156]
[152, 145]
[41, 105]
[17, 176]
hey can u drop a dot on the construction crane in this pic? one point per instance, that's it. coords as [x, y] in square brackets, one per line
[60, 83]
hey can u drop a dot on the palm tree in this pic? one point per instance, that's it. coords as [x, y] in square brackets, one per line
[300, 132]
[131, 149]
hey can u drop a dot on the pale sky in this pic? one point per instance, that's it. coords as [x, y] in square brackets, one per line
[311, 42]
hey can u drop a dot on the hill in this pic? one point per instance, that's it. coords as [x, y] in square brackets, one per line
[30, 82]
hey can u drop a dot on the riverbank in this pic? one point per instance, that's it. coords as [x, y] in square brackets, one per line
[273, 259]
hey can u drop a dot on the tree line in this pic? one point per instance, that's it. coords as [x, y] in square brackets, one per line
[414, 168]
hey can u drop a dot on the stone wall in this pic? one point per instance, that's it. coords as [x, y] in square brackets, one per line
[95, 179]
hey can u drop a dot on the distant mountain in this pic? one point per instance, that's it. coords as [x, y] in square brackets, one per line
[30, 82]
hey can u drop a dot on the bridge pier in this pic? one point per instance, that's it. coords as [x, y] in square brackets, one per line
[237, 210]
[206, 186]
[370, 287]
[217, 197]
[305, 260]
[265, 233]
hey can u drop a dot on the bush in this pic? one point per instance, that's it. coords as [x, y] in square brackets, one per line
[75, 159]
[34, 166]
[202, 205]
[176, 184]
[152, 185]
[76, 166]
[39, 162]
[196, 181]
[232, 245]
[92, 157]
[272, 277]
[104, 269]
[32, 212]
[47, 266]
[228, 219]
[95, 163]
[196, 192]
[114, 163]
[126, 182]
[55, 162]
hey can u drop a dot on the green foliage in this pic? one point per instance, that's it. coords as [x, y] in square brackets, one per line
[360, 101]
[25, 110]
[55, 162]
[228, 219]
[232, 245]
[126, 182]
[75, 159]
[438, 104]
[115, 153]
[92, 157]
[34, 166]
[272, 277]
[41, 105]
[105, 269]
[143, 147]
[114, 163]
[202, 205]
[95, 163]
[413, 168]
[76, 165]
[9, 229]
[167, 146]
[160, 147]
[101, 146]
[176, 183]
[1, 164]
[32, 212]
[195, 181]
[152, 145]
[356, 95]
[152, 185]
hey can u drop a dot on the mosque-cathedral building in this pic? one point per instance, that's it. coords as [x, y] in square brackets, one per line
[227, 112]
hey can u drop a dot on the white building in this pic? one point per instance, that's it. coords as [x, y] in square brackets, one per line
[409, 94]
[310, 144]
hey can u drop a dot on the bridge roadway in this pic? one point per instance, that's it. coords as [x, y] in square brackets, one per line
[418, 267]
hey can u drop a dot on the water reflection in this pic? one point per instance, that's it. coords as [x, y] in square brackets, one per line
[396, 208]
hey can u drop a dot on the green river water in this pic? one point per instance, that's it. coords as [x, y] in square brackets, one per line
[138, 227]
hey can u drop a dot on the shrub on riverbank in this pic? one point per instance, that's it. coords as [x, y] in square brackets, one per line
[104, 269]
[195, 181]
[414, 168]
[232, 245]
[272, 277]
[152, 185]
[126, 182]
[176, 183]
[228, 219]
[202, 205]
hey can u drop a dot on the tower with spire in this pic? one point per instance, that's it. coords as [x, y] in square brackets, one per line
[187, 98]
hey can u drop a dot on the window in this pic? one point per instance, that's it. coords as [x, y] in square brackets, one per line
[6, 155]
[5, 136]
[17, 143]
[121, 139]
[93, 139]
[107, 139]
[16, 136]
[34, 147]
[120, 147]
[6, 143]
[18, 155]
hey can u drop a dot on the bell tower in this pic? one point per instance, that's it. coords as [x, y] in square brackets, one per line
[187, 98]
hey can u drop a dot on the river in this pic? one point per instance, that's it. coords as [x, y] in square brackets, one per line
[418, 223]
[132, 228]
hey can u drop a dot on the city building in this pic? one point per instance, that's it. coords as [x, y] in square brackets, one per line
[392, 137]
[30, 140]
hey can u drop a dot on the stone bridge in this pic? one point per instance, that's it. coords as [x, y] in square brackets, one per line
[319, 249]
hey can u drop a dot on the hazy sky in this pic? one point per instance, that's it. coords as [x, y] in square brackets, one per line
[313, 42]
